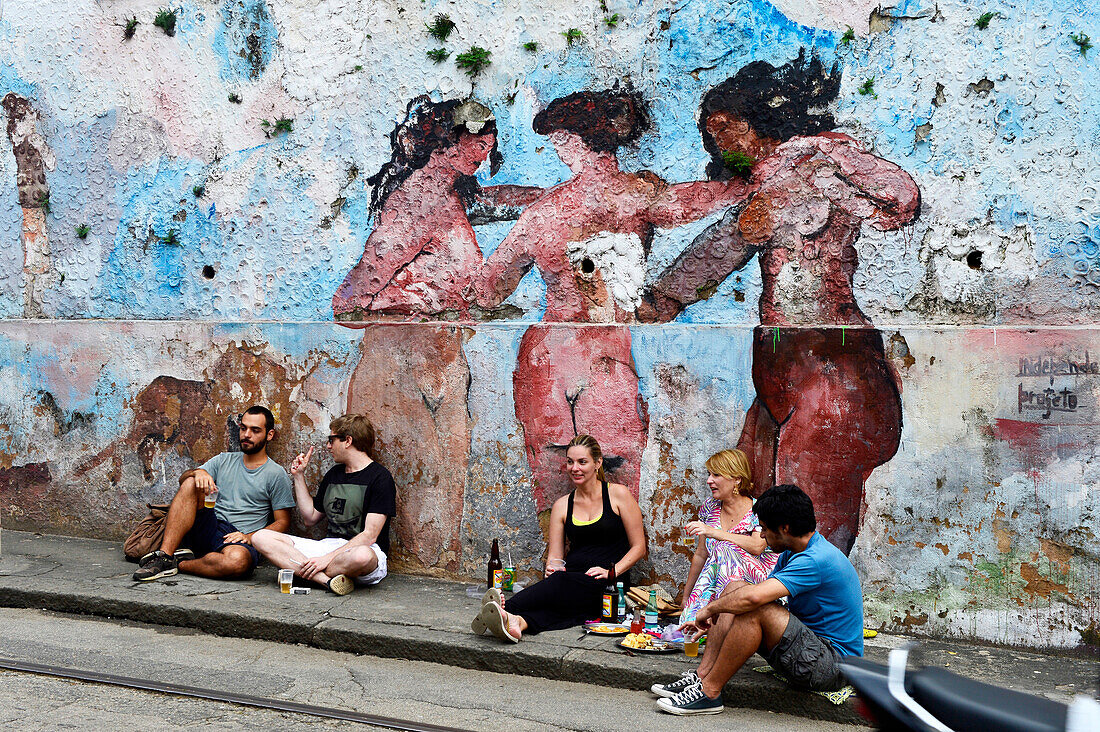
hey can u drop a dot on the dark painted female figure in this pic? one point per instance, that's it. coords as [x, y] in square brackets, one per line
[828, 408]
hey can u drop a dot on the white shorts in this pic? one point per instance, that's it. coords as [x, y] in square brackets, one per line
[312, 548]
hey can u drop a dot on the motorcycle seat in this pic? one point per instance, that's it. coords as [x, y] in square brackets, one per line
[964, 704]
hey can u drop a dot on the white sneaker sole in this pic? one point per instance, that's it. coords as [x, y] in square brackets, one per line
[682, 712]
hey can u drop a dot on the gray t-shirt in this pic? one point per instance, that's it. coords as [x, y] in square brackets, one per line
[246, 497]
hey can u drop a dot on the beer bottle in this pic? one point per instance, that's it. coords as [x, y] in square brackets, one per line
[622, 603]
[496, 569]
[610, 598]
[652, 621]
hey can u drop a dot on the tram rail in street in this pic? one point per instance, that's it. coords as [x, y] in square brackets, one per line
[227, 697]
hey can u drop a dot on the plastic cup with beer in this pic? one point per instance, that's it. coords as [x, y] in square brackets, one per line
[691, 647]
[210, 499]
[286, 579]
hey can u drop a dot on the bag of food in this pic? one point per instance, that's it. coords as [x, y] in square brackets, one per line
[148, 534]
[638, 597]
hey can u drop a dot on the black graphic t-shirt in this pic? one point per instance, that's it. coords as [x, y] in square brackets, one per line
[347, 498]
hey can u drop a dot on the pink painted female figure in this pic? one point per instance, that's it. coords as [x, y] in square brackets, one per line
[589, 237]
[420, 256]
[422, 252]
[828, 405]
[731, 546]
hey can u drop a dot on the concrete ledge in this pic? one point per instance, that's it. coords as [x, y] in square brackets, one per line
[428, 620]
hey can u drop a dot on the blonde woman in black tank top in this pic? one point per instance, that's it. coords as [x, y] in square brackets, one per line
[603, 525]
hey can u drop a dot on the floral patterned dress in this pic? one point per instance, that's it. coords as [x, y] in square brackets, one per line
[725, 560]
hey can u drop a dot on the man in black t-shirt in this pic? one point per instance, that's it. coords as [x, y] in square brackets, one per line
[358, 498]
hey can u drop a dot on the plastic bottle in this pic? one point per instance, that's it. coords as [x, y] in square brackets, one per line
[652, 620]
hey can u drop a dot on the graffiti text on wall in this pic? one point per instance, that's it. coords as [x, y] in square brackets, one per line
[1051, 399]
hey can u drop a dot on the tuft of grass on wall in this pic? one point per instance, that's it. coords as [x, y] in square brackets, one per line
[474, 61]
[166, 21]
[983, 20]
[278, 127]
[1082, 41]
[440, 27]
[738, 163]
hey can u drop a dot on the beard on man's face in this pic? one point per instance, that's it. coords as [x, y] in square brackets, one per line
[251, 448]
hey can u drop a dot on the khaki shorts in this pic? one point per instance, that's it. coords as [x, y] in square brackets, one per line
[806, 659]
[313, 548]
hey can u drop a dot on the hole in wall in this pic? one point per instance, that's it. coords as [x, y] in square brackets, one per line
[588, 266]
[208, 272]
[974, 260]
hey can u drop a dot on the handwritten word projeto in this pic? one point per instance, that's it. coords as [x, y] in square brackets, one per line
[1047, 401]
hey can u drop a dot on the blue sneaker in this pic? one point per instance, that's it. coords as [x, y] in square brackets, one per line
[671, 689]
[691, 700]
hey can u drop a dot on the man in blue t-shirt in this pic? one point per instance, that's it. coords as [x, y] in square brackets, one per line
[250, 492]
[823, 619]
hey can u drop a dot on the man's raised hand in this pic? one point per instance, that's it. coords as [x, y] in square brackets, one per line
[299, 464]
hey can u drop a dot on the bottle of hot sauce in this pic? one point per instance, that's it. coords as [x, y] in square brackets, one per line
[611, 598]
[496, 568]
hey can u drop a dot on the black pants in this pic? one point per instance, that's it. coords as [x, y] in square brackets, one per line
[562, 600]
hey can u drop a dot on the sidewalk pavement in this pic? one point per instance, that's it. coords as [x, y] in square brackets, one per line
[425, 619]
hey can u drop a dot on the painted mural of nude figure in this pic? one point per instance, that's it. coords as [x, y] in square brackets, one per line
[828, 407]
[33, 157]
[589, 237]
[423, 252]
[412, 379]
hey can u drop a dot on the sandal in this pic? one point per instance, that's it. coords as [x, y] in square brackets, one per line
[491, 595]
[492, 617]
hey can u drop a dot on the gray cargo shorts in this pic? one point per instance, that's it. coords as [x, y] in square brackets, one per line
[804, 658]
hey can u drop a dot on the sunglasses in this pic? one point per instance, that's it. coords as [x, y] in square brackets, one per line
[334, 438]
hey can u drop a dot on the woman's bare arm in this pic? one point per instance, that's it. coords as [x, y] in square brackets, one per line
[500, 275]
[698, 561]
[712, 256]
[556, 544]
[501, 203]
[631, 514]
[856, 180]
[682, 203]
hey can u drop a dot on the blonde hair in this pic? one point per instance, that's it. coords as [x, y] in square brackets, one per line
[589, 443]
[359, 428]
[732, 464]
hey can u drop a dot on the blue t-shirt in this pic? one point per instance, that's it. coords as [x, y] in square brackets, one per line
[824, 593]
[246, 497]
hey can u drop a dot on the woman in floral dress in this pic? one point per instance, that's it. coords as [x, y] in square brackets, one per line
[733, 547]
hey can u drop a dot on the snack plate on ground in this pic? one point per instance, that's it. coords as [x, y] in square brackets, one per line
[606, 628]
[648, 644]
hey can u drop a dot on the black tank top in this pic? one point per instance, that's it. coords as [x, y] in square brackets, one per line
[598, 544]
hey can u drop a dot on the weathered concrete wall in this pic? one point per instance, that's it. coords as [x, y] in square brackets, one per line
[895, 307]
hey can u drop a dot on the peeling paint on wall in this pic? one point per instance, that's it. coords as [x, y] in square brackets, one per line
[871, 259]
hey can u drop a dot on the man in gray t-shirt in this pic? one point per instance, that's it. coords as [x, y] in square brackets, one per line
[247, 491]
